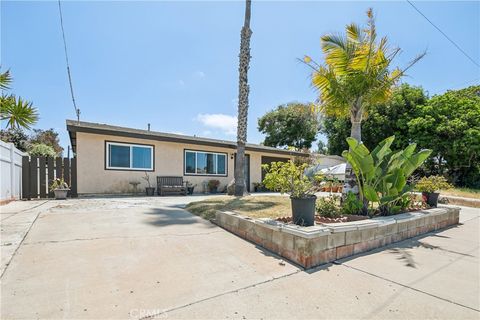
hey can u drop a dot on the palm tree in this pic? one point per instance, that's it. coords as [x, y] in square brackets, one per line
[243, 90]
[356, 74]
[18, 112]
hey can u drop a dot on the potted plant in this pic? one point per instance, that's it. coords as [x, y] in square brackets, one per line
[150, 191]
[429, 186]
[288, 177]
[335, 184]
[60, 188]
[213, 185]
[329, 183]
[190, 187]
[257, 186]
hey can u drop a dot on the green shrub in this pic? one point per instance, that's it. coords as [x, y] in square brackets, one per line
[328, 207]
[288, 177]
[432, 184]
[351, 204]
[382, 173]
[42, 150]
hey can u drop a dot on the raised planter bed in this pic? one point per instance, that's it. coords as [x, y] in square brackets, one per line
[323, 243]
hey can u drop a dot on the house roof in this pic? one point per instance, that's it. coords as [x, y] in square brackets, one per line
[74, 126]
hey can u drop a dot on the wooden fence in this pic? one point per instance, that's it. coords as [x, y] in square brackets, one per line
[39, 172]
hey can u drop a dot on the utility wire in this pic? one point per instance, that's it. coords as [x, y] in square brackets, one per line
[77, 111]
[444, 34]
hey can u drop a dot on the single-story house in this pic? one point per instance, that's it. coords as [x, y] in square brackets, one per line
[111, 159]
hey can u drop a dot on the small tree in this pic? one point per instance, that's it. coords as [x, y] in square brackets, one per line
[356, 74]
[41, 150]
[288, 177]
[48, 137]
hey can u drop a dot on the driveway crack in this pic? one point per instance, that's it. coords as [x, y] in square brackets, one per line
[21, 242]
[409, 287]
[122, 237]
[152, 316]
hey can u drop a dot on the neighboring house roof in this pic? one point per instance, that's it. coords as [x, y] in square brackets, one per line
[329, 156]
[74, 126]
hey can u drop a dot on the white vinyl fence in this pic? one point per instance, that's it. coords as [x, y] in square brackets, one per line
[10, 171]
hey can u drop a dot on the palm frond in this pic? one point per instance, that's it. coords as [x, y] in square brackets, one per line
[5, 80]
[18, 112]
[354, 33]
[356, 71]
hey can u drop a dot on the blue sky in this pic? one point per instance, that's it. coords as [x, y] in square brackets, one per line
[175, 64]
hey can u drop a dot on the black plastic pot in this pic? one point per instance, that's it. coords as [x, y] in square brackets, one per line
[431, 198]
[303, 211]
[150, 191]
[190, 190]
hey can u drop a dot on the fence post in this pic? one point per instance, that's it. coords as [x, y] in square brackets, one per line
[26, 177]
[51, 175]
[43, 177]
[12, 169]
[34, 177]
[73, 177]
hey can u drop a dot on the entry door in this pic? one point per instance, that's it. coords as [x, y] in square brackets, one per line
[246, 170]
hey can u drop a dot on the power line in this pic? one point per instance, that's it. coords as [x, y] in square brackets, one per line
[444, 34]
[77, 111]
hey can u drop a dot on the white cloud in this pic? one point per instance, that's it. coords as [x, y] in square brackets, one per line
[199, 74]
[223, 122]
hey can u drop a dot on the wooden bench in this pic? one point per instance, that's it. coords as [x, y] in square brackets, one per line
[166, 185]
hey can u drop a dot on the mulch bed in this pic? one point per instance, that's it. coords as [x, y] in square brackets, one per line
[320, 219]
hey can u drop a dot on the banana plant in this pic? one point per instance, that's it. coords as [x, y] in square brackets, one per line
[382, 174]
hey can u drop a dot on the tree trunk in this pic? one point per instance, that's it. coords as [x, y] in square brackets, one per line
[350, 184]
[243, 90]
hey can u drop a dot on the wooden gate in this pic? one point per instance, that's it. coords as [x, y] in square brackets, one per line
[39, 172]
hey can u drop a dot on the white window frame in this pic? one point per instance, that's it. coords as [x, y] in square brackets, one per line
[185, 173]
[130, 145]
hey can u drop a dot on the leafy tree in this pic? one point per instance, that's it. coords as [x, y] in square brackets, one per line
[243, 90]
[337, 130]
[41, 149]
[48, 137]
[383, 120]
[450, 125]
[290, 125]
[16, 136]
[18, 112]
[356, 75]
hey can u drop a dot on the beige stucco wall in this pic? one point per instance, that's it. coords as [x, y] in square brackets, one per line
[94, 179]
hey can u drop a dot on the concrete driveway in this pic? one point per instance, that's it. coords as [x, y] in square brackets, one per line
[131, 258]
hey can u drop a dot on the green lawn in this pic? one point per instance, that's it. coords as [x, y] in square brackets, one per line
[251, 206]
[462, 192]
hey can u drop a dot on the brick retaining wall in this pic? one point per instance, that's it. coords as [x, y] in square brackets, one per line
[316, 245]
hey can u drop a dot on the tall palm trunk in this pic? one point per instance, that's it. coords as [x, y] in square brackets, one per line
[243, 90]
[350, 184]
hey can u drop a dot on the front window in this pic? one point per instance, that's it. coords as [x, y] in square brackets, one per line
[205, 163]
[123, 156]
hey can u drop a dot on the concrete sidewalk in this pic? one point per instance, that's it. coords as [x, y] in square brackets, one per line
[131, 258]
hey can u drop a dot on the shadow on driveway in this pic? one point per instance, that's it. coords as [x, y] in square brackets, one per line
[174, 215]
